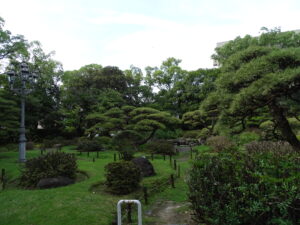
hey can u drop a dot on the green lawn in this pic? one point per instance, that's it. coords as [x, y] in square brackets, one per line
[77, 204]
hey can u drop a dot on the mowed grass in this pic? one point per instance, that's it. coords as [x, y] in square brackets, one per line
[76, 204]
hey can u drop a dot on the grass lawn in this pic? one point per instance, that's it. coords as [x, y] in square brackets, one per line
[77, 204]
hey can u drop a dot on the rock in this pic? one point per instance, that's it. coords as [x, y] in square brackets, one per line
[54, 182]
[145, 166]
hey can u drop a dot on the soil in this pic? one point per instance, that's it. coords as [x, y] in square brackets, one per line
[170, 213]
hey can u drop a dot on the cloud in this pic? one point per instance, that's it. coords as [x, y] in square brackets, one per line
[114, 17]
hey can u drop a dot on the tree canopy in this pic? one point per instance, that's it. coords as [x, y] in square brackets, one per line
[258, 73]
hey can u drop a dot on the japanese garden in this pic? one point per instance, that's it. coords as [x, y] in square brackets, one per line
[218, 146]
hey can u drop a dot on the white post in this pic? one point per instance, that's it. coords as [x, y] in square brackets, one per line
[119, 210]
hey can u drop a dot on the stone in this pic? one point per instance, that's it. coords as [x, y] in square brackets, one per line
[145, 166]
[54, 182]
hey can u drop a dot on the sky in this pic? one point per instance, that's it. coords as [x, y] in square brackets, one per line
[142, 32]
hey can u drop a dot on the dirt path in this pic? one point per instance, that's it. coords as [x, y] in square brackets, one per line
[170, 213]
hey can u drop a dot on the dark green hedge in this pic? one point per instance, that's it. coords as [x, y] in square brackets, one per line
[246, 188]
[122, 177]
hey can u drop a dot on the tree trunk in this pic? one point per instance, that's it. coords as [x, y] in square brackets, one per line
[283, 125]
[147, 139]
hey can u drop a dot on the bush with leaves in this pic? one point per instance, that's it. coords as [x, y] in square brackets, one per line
[257, 187]
[160, 147]
[274, 147]
[219, 143]
[247, 137]
[89, 145]
[191, 134]
[48, 166]
[204, 133]
[122, 177]
[125, 143]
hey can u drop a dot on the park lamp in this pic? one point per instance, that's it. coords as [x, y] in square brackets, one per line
[18, 80]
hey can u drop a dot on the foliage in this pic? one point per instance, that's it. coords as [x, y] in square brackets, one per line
[160, 147]
[245, 188]
[122, 177]
[29, 145]
[89, 145]
[219, 143]
[136, 124]
[168, 134]
[258, 75]
[269, 131]
[204, 133]
[9, 113]
[11, 46]
[247, 136]
[191, 133]
[48, 166]
[277, 147]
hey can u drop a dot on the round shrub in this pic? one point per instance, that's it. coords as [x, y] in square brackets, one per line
[104, 141]
[87, 145]
[122, 177]
[246, 188]
[247, 137]
[160, 147]
[48, 166]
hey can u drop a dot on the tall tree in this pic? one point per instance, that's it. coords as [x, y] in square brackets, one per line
[11, 46]
[262, 74]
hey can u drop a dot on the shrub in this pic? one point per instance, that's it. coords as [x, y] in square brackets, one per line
[247, 137]
[106, 142]
[246, 188]
[29, 145]
[261, 147]
[126, 143]
[219, 143]
[67, 142]
[47, 143]
[87, 145]
[9, 148]
[168, 134]
[160, 147]
[122, 177]
[191, 133]
[204, 134]
[48, 166]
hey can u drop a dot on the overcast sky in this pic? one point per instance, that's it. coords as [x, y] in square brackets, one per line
[142, 32]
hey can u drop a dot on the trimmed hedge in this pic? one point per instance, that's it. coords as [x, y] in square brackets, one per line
[122, 177]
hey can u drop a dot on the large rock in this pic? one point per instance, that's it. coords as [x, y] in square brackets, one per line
[145, 166]
[54, 182]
